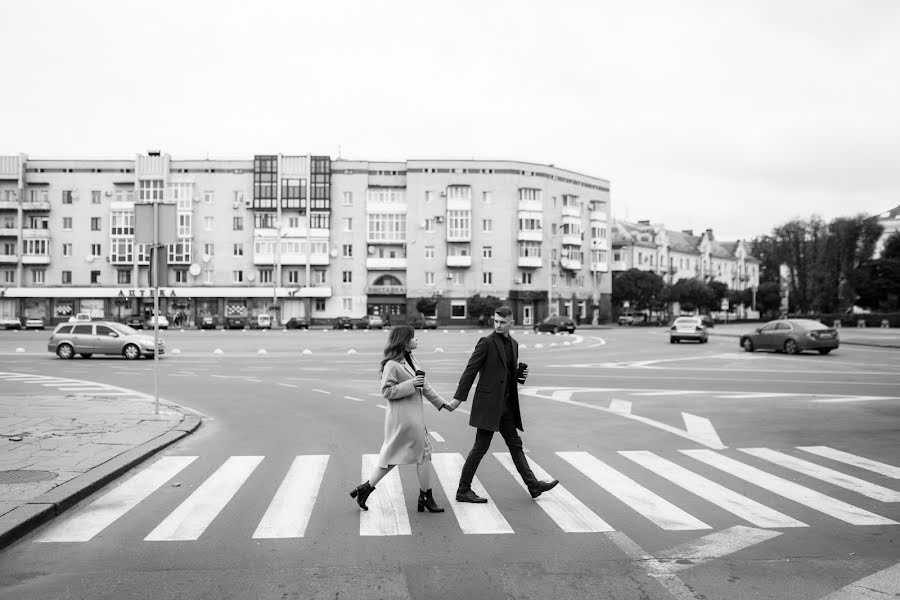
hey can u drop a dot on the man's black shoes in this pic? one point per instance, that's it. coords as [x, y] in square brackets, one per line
[470, 496]
[540, 488]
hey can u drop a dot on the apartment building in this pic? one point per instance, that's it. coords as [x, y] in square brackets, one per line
[303, 236]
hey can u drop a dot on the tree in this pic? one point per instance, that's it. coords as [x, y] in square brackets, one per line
[482, 306]
[850, 243]
[426, 306]
[768, 298]
[719, 292]
[641, 289]
[692, 294]
[877, 282]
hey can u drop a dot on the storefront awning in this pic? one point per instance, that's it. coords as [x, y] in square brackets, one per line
[167, 292]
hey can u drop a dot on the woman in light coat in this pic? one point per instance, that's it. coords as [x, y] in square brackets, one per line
[405, 437]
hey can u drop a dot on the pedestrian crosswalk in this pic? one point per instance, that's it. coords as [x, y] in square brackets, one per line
[640, 484]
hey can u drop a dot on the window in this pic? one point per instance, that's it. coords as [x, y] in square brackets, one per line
[121, 250]
[151, 190]
[95, 223]
[40, 222]
[237, 223]
[67, 249]
[487, 225]
[347, 199]
[95, 276]
[293, 276]
[265, 275]
[459, 223]
[209, 223]
[9, 276]
[185, 224]
[526, 277]
[457, 309]
[386, 227]
[121, 222]
[264, 220]
[320, 220]
[209, 197]
[67, 277]
[487, 197]
[429, 278]
[487, 278]
[347, 303]
[237, 250]
[293, 222]
[96, 196]
[83, 330]
[320, 304]
[67, 196]
[347, 276]
[456, 278]
[318, 277]
[181, 276]
[429, 196]
[429, 225]
[347, 250]
[347, 224]
[293, 192]
[123, 276]
[67, 223]
[209, 249]
[487, 252]
[96, 250]
[35, 247]
[237, 276]
[429, 251]
[9, 222]
[530, 195]
[208, 276]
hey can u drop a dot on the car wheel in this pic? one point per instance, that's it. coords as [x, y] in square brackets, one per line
[65, 351]
[88, 355]
[824, 351]
[555, 330]
[747, 344]
[131, 352]
[790, 347]
[535, 328]
[671, 340]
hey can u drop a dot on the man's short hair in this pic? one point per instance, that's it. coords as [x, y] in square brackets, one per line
[503, 311]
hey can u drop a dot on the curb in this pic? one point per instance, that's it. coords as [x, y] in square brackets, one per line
[28, 517]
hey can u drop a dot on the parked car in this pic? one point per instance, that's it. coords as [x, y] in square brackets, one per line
[134, 321]
[81, 317]
[297, 323]
[263, 321]
[235, 322]
[34, 323]
[10, 323]
[342, 323]
[422, 322]
[207, 322]
[791, 336]
[101, 337]
[370, 322]
[555, 324]
[631, 318]
[688, 328]
[163, 322]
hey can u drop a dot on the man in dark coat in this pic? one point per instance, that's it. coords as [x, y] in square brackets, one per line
[495, 406]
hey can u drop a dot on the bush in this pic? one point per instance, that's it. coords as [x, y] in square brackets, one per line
[852, 320]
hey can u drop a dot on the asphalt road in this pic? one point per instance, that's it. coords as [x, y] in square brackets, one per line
[688, 471]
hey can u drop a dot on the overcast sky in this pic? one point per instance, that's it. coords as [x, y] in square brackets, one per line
[735, 116]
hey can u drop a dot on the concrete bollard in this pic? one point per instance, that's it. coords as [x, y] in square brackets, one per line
[885, 323]
[861, 323]
[837, 324]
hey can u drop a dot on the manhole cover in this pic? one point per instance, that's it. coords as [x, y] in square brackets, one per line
[11, 477]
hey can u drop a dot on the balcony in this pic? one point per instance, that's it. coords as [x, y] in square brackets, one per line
[9, 231]
[530, 205]
[9, 259]
[598, 215]
[571, 240]
[459, 261]
[571, 211]
[532, 262]
[386, 290]
[463, 236]
[530, 235]
[36, 259]
[570, 264]
[386, 264]
[35, 234]
[600, 266]
[9, 205]
[36, 205]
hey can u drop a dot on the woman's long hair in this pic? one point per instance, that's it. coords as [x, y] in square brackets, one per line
[396, 344]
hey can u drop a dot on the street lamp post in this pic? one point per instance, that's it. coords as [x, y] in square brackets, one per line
[276, 269]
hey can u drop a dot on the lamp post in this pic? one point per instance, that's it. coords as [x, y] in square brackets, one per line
[276, 269]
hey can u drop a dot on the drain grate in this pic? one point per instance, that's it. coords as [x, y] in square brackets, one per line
[23, 476]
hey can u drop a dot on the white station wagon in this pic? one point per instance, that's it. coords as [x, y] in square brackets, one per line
[101, 337]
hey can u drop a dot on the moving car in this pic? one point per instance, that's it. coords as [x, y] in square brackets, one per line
[556, 324]
[342, 323]
[422, 322]
[163, 322]
[207, 322]
[10, 323]
[370, 322]
[297, 323]
[101, 337]
[791, 336]
[34, 323]
[688, 328]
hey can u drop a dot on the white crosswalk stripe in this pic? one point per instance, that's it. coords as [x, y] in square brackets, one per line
[290, 509]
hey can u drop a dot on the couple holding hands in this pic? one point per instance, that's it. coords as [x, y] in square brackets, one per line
[495, 407]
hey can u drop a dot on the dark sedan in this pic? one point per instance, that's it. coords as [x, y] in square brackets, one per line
[297, 323]
[556, 324]
[235, 322]
[207, 322]
[342, 323]
[791, 336]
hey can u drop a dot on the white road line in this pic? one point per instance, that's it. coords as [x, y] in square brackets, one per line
[655, 508]
[566, 510]
[884, 584]
[790, 490]
[384, 406]
[852, 399]
[748, 396]
[854, 460]
[472, 518]
[290, 509]
[745, 508]
[105, 510]
[668, 393]
[354, 399]
[193, 516]
[387, 508]
[437, 437]
[290, 385]
[713, 546]
[321, 391]
[848, 482]
[620, 406]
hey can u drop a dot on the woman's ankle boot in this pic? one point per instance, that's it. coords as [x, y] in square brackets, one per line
[426, 500]
[361, 492]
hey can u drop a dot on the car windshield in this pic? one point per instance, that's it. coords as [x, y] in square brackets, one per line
[809, 324]
[122, 328]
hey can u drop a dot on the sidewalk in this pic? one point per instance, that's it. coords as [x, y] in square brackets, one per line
[57, 449]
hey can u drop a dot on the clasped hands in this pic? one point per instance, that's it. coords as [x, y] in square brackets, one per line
[451, 406]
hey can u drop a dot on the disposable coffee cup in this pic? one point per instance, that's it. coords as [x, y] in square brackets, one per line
[519, 372]
[420, 372]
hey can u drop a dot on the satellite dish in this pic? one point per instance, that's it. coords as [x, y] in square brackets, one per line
[251, 277]
[371, 249]
[194, 269]
[89, 258]
[334, 253]
[206, 258]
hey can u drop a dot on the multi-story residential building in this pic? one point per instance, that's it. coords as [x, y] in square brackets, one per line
[676, 255]
[303, 236]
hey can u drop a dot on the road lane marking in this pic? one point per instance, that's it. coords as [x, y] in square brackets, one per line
[290, 385]
[354, 399]
[321, 391]
[655, 508]
[288, 513]
[572, 515]
[790, 490]
[884, 584]
[472, 518]
[437, 437]
[702, 429]
[854, 460]
[194, 515]
[741, 506]
[387, 507]
[848, 482]
[105, 510]
[714, 546]
[620, 406]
